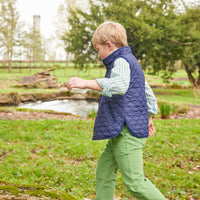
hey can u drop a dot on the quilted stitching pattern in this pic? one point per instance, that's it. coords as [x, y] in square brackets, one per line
[130, 108]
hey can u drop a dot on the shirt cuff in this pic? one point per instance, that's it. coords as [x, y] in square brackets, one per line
[102, 82]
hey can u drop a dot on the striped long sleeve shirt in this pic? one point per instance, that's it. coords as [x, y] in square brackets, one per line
[118, 84]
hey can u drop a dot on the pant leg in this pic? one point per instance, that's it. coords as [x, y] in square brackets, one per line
[128, 154]
[106, 173]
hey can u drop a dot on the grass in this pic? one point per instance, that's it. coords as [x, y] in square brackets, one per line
[178, 163]
[61, 155]
[25, 90]
[8, 80]
[22, 190]
[51, 152]
[63, 74]
[181, 96]
[177, 94]
[179, 78]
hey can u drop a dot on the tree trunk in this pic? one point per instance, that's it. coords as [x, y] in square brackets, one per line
[198, 80]
[195, 83]
[10, 59]
[10, 66]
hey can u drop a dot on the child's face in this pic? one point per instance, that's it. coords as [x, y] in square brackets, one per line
[103, 51]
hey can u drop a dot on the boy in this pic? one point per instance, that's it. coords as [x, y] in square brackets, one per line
[122, 116]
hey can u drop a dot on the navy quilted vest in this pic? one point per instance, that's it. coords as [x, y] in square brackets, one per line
[129, 109]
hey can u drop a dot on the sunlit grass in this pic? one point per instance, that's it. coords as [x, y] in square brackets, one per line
[61, 154]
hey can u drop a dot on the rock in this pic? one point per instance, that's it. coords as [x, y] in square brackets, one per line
[92, 95]
[27, 97]
[12, 98]
[45, 96]
[39, 80]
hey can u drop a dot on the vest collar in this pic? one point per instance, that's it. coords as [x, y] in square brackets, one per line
[109, 59]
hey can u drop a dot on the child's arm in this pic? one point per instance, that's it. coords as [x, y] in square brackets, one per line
[117, 84]
[119, 80]
[152, 107]
[83, 84]
[151, 100]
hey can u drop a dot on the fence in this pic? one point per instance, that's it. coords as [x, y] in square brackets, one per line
[28, 64]
[63, 68]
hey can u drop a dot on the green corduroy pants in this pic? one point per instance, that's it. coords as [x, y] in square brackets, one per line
[124, 153]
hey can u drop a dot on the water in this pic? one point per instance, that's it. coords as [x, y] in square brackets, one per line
[75, 107]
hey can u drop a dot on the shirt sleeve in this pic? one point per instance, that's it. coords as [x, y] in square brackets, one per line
[151, 100]
[119, 80]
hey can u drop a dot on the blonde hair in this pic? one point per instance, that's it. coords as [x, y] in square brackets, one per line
[110, 31]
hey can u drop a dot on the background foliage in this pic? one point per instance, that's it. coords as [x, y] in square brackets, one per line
[159, 33]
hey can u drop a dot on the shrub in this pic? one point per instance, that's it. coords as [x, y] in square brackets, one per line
[165, 110]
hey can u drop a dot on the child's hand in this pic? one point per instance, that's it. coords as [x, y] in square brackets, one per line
[151, 127]
[76, 83]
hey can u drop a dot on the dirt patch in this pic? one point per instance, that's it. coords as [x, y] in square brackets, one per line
[17, 115]
[194, 113]
[180, 79]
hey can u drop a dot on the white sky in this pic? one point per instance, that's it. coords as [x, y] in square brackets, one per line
[47, 9]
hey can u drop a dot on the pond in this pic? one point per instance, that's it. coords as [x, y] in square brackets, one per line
[75, 107]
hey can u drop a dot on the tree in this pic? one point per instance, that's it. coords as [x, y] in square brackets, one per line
[78, 36]
[174, 35]
[190, 43]
[33, 47]
[159, 33]
[10, 29]
[61, 23]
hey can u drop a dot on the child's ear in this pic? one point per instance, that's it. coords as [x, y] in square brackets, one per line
[109, 45]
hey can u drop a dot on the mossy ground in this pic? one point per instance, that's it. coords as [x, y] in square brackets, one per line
[19, 190]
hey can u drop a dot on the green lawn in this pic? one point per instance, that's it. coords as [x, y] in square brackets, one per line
[61, 155]
[63, 74]
[181, 96]
[9, 80]
[178, 78]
